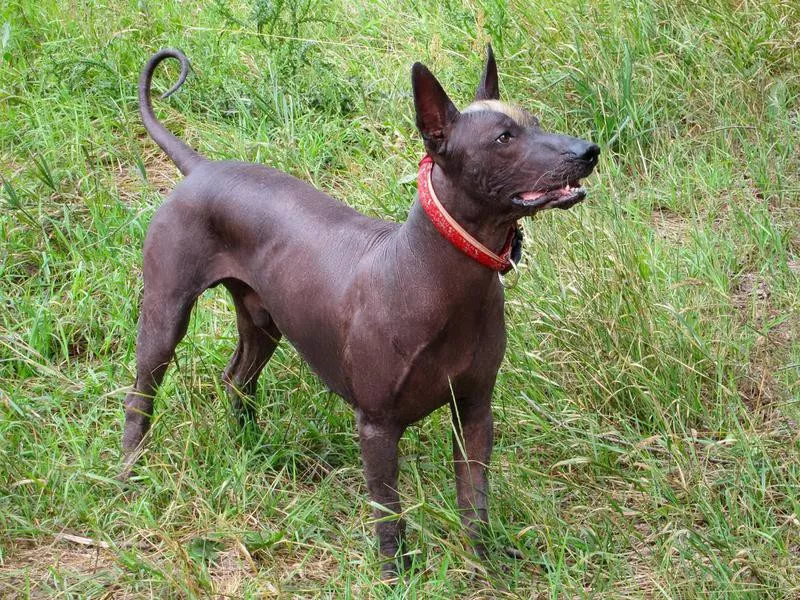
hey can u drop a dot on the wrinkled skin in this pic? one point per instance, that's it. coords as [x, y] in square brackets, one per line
[392, 317]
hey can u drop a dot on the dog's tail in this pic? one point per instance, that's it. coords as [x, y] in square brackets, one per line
[184, 157]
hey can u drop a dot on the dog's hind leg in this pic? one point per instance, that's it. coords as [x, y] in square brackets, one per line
[162, 324]
[173, 279]
[258, 338]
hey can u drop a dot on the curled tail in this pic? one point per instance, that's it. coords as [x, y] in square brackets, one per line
[184, 157]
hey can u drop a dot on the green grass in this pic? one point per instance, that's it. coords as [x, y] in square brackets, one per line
[646, 413]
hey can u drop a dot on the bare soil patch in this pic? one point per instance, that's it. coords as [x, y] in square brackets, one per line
[760, 390]
[671, 226]
[35, 570]
[162, 176]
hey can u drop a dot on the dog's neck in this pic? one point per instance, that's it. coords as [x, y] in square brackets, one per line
[421, 232]
[489, 230]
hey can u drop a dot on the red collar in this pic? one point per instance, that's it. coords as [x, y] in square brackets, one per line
[452, 231]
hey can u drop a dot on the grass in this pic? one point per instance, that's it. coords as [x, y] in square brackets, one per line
[646, 413]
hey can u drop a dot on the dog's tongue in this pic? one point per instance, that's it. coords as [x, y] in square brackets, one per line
[530, 196]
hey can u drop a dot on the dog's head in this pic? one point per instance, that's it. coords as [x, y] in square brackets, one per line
[496, 154]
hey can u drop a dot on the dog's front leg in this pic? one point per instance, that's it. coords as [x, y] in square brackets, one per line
[472, 447]
[379, 454]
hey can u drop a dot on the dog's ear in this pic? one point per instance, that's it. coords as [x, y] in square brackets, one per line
[489, 87]
[435, 112]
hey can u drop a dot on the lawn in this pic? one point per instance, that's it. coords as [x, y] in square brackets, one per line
[646, 414]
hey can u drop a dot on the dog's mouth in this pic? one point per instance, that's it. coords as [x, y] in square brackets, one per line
[562, 197]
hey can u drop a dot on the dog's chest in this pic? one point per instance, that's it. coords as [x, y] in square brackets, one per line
[406, 371]
[448, 368]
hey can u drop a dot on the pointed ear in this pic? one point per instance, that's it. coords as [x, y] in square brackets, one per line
[489, 87]
[435, 111]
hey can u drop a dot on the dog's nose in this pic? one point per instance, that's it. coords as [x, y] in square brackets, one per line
[585, 151]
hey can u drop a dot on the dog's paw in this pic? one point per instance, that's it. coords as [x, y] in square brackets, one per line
[393, 569]
[127, 471]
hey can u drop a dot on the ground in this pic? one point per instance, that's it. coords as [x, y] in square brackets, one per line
[646, 412]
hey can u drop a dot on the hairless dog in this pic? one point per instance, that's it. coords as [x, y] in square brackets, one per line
[397, 319]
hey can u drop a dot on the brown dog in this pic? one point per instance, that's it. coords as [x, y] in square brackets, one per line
[398, 319]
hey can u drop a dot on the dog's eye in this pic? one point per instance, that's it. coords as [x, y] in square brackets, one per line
[503, 138]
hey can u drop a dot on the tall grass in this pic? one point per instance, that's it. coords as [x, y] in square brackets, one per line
[646, 414]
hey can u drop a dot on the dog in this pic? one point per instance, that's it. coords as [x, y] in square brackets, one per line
[397, 319]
